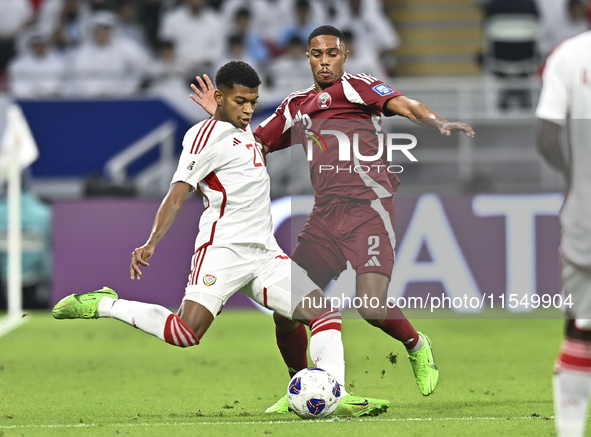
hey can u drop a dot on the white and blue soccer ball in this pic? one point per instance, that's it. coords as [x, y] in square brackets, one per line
[313, 393]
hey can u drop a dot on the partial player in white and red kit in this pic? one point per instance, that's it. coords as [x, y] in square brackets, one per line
[565, 103]
[235, 248]
[353, 216]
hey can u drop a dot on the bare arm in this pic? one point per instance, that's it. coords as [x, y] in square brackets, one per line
[549, 147]
[165, 217]
[424, 116]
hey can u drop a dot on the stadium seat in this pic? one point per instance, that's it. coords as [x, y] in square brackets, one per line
[510, 55]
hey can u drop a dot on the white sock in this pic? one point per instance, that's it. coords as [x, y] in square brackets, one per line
[152, 319]
[572, 391]
[418, 346]
[326, 346]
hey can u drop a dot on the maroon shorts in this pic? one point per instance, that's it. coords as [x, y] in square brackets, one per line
[360, 232]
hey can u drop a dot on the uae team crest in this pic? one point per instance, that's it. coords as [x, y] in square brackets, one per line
[324, 100]
[209, 280]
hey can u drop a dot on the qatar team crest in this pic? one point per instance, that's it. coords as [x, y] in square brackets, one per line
[209, 280]
[324, 100]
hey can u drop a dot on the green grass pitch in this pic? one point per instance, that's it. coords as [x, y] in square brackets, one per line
[104, 378]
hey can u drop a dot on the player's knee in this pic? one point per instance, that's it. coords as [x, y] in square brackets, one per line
[284, 324]
[374, 316]
[575, 333]
[178, 333]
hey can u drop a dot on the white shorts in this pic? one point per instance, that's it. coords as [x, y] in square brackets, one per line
[271, 279]
[577, 284]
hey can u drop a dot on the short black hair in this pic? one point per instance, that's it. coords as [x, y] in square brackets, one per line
[237, 72]
[326, 30]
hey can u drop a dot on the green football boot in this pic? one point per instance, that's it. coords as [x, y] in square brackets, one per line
[81, 306]
[281, 406]
[357, 406]
[349, 406]
[424, 367]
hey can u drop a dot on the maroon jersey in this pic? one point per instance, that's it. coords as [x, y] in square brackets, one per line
[340, 129]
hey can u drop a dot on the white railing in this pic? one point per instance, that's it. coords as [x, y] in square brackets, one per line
[156, 178]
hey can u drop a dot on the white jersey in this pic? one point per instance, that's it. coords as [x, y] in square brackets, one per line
[566, 100]
[224, 163]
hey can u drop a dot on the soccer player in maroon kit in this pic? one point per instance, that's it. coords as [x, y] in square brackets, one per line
[353, 215]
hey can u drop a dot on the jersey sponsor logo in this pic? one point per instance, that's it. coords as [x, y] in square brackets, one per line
[382, 89]
[235, 142]
[209, 280]
[191, 165]
[324, 100]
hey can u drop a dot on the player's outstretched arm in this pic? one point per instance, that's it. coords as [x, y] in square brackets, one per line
[424, 116]
[204, 96]
[549, 147]
[165, 217]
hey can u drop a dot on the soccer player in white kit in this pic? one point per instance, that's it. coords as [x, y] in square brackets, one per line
[235, 248]
[566, 103]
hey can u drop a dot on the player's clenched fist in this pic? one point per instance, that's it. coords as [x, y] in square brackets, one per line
[139, 257]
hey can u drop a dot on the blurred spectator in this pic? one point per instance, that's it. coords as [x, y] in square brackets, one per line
[253, 42]
[236, 50]
[266, 15]
[128, 27]
[302, 24]
[65, 20]
[170, 82]
[362, 61]
[150, 13]
[318, 10]
[197, 32]
[291, 71]
[104, 66]
[101, 5]
[167, 69]
[38, 71]
[14, 16]
[560, 20]
[371, 26]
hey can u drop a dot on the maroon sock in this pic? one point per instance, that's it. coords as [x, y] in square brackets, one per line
[293, 346]
[397, 326]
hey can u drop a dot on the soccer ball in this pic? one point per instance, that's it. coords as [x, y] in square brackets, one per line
[313, 393]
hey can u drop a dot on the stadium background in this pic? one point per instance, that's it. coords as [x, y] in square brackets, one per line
[473, 61]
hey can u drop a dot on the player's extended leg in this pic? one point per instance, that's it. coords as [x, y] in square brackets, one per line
[181, 330]
[326, 346]
[297, 297]
[292, 339]
[326, 350]
[373, 289]
[572, 379]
